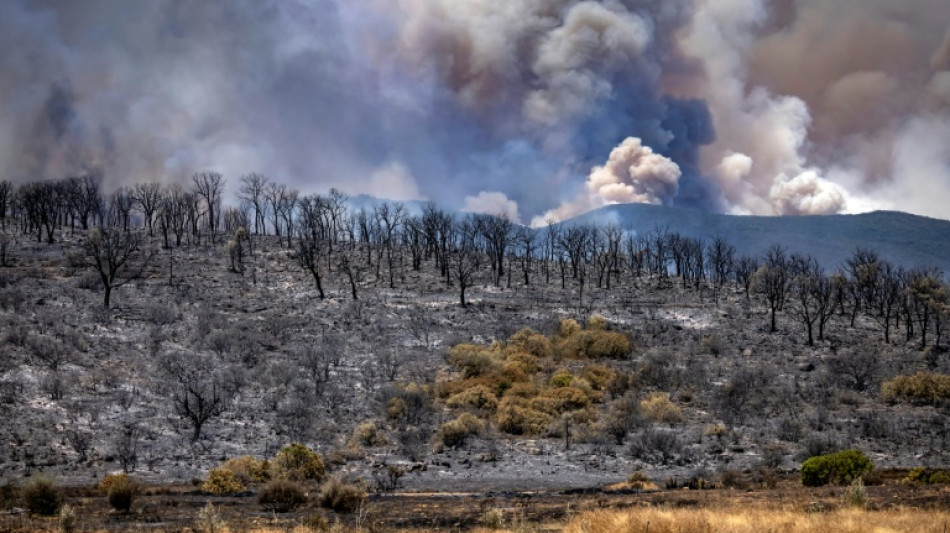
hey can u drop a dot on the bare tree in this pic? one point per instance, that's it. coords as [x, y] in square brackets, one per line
[252, 192]
[199, 392]
[309, 247]
[117, 256]
[464, 256]
[774, 281]
[209, 186]
[813, 293]
[148, 199]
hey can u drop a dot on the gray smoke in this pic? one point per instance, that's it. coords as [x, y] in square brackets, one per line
[763, 106]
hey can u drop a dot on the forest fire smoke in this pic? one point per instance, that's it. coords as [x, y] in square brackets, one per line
[763, 106]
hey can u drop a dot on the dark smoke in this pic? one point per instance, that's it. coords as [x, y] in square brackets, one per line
[764, 106]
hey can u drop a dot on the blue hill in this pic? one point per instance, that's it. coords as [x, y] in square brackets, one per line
[904, 239]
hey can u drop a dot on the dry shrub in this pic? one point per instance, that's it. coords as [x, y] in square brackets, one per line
[495, 382]
[567, 398]
[298, 463]
[522, 390]
[594, 344]
[515, 419]
[120, 491]
[597, 323]
[658, 408]
[282, 496]
[41, 497]
[599, 376]
[562, 378]
[341, 497]
[753, 519]
[567, 327]
[921, 388]
[221, 481]
[477, 397]
[248, 470]
[531, 343]
[368, 435]
[455, 432]
[472, 361]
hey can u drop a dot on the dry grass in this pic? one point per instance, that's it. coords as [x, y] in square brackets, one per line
[744, 520]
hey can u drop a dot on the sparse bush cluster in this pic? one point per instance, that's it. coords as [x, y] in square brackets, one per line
[503, 381]
[921, 388]
[928, 476]
[294, 463]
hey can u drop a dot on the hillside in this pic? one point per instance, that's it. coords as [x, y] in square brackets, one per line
[904, 239]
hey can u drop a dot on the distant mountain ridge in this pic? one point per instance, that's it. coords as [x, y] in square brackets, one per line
[904, 239]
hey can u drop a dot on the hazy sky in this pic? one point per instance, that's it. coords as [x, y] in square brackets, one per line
[540, 109]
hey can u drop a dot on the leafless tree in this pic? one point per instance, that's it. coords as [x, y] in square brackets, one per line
[252, 192]
[464, 256]
[309, 248]
[774, 281]
[6, 199]
[117, 256]
[199, 392]
[814, 295]
[148, 200]
[209, 187]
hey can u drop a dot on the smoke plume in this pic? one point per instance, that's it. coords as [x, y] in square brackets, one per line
[760, 106]
[633, 174]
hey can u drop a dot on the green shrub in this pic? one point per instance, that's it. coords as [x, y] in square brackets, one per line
[562, 378]
[41, 497]
[281, 496]
[341, 497]
[927, 476]
[839, 468]
[477, 397]
[594, 344]
[298, 463]
[921, 388]
[122, 491]
[221, 481]
[567, 398]
[857, 494]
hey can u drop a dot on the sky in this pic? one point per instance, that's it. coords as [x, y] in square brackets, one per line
[536, 109]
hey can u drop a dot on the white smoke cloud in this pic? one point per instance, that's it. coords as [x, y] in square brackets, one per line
[634, 173]
[573, 60]
[390, 182]
[807, 194]
[492, 203]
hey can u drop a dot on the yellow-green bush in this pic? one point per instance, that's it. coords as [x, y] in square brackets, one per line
[928, 476]
[477, 397]
[522, 390]
[562, 378]
[221, 481]
[282, 496]
[516, 419]
[594, 344]
[567, 327]
[298, 463]
[597, 322]
[341, 497]
[494, 382]
[568, 398]
[368, 435]
[248, 470]
[657, 407]
[544, 404]
[599, 376]
[472, 361]
[528, 362]
[455, 432]
[921, 388]
[121, 492]
[531, 343]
